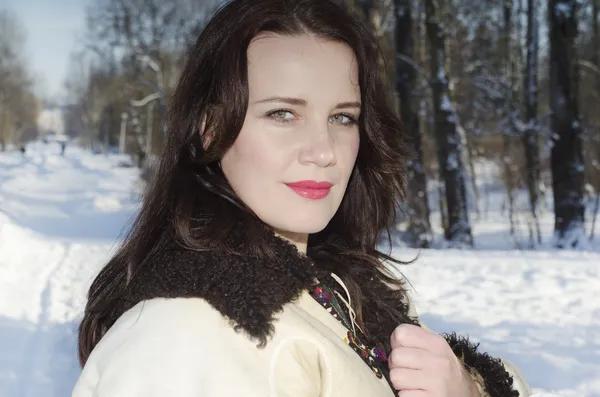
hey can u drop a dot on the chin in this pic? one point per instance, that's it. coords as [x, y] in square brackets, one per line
[308, 228]
[303, 223]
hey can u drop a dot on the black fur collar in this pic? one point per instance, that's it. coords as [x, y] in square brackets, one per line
[250, 290]
[246, 289]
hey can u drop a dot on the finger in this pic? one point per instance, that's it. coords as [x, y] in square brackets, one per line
[409, 379]
[412, 393]
[436, 366]
[408, 357]
[407, 335]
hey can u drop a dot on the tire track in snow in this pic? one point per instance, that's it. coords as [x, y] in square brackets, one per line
[46, 300]
[30, 372]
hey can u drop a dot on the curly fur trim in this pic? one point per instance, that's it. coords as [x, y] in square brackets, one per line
[247, 290]
[497, 381]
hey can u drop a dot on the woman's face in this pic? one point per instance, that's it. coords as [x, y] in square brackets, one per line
[295, 153]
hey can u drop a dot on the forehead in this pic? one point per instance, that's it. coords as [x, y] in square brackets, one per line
[302, 66]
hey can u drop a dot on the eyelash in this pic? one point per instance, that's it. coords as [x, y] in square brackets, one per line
[283, 121]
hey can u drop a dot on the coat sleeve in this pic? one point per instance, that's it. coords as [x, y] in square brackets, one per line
[494, 377]
[185, 349]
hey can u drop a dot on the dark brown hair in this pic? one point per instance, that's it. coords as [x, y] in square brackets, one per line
[190, 201]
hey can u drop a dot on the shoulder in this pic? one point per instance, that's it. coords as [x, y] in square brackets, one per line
[164, 322]
[174, 327]
[162, 347]
[185, 347]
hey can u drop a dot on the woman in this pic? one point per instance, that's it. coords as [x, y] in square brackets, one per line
[252, 267]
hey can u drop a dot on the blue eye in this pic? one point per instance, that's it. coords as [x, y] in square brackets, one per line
[279, 115]
[286, 116]
[339, 118]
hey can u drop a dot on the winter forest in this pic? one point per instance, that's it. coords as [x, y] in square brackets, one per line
[509, 85]
[499, 102]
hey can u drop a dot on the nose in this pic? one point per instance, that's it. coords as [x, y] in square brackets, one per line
[319, 146]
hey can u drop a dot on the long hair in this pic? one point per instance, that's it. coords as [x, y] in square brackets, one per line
[189, 200]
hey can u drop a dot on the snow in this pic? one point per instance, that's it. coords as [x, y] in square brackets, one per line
[59, 220]
[535, 309]
[61, 217]
[446, 105]
[401, 11]
[452, 162]
[564, 9]
[51, 120]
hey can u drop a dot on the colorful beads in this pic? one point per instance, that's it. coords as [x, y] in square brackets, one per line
[373, 357]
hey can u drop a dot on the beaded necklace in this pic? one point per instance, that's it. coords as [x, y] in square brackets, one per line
[374, 357]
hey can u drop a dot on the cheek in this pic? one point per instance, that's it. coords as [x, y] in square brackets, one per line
[244, 154]
[251, 159]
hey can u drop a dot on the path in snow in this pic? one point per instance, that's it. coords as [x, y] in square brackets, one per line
[59, 220]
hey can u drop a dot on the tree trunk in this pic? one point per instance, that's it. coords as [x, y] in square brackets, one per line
[509, 127]
[530, 137]
[366, 8]
[470, 159]
[406, 85]
[567, 153]
[450, 157]
[4, 130]
[596, 61]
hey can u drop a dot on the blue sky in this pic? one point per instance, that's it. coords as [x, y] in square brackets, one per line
[53, 28]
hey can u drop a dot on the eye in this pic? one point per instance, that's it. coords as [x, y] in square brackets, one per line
[343, 119]
[279, 115]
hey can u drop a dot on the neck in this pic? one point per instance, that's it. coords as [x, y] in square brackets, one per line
[299, 240]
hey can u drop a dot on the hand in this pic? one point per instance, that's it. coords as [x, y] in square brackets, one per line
[422, 364]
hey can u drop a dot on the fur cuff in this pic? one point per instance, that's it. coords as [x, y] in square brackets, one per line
[484, 369]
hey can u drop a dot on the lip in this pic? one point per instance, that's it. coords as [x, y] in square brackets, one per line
[311, 190]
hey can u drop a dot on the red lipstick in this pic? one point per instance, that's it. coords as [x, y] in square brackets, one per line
[311, 190]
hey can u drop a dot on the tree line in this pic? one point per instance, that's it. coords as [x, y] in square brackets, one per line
[513, 83]
[18, 103]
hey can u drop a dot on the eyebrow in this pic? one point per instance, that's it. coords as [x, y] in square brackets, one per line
[302, 102]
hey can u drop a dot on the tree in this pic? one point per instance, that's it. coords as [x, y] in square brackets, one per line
[134, 49]
[531, 133]
[567, 160]
[18, 106]
[367, 8]
[596, 62]
[509, 127]
[447, 133]
[419, 230]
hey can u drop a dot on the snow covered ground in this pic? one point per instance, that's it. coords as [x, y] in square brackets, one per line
[536, 309]
[60, 218]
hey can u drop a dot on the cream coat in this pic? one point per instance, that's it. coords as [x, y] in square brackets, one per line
[185, 348]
